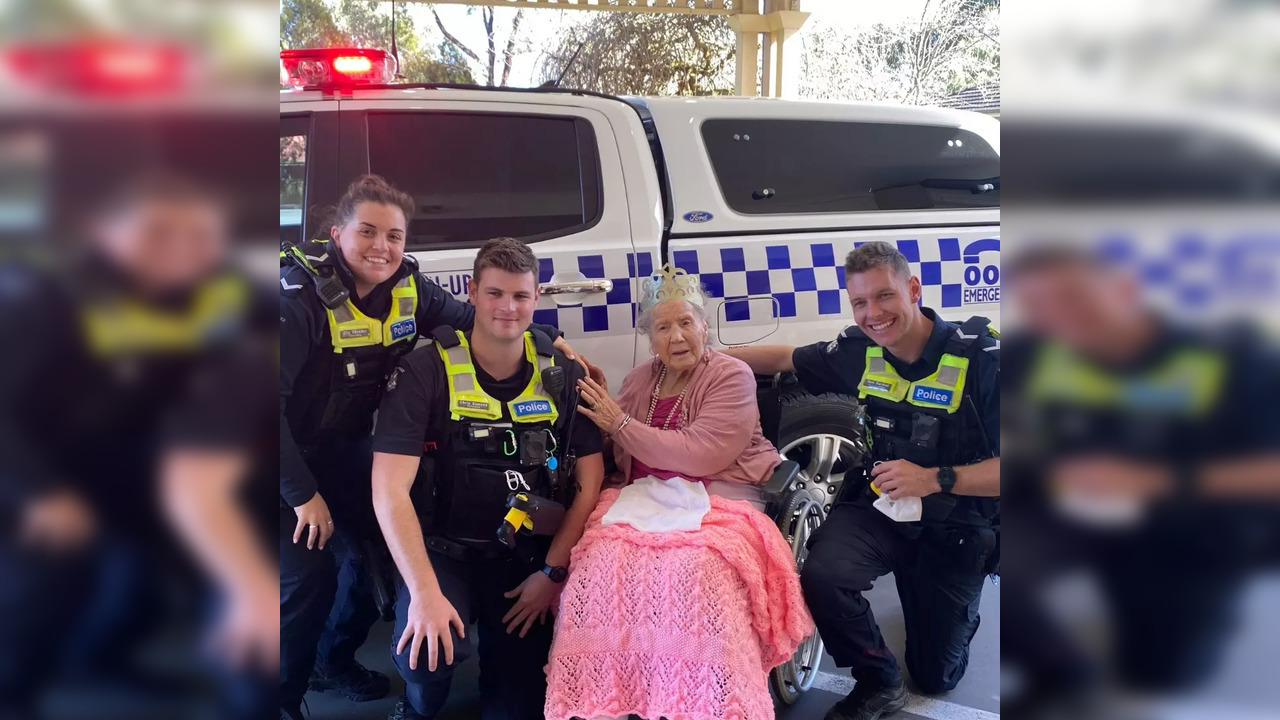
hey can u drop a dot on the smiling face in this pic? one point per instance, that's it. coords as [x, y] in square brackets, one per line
[884, 303]
[504, 302]
[677, 335]
[1090, 308]
[372, 242]
[165, 244]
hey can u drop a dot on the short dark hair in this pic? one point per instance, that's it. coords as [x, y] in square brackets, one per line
[507, 254]
[159, 186]
[1048, 256]
[875, 254]
[374, 189]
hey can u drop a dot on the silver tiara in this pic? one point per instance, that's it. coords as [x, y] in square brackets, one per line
[670, 283]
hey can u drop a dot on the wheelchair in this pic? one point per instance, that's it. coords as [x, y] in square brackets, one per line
[790, 499]
[798, 512]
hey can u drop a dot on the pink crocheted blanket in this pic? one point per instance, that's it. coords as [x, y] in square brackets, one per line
[680, 625]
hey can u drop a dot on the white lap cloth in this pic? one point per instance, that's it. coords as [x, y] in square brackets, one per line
[652, 505]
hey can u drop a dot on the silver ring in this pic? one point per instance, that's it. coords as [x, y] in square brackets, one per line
[313, 526]
[330, 522]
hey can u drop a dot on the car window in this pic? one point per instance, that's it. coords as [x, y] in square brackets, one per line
[293, 175]
[476, 176]
[811, 166]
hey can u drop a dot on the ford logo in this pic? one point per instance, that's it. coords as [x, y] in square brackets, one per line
[697, 216]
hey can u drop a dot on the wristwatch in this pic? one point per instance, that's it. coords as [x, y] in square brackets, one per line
[557, 574]
[947, 479]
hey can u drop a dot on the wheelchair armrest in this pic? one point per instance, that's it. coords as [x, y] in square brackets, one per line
[784, 476]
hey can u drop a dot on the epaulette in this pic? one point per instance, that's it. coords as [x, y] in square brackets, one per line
[446, 336]
[541, 343]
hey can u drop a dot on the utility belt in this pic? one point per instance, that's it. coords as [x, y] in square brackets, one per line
[472, 495]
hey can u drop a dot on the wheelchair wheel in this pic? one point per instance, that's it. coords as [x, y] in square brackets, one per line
[801, 515]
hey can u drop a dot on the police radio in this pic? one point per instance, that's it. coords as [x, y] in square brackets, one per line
[329, 289]
[553, 381]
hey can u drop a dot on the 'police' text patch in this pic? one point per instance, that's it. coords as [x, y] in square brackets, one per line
[932, 395]
[402, 329]
[531, 407]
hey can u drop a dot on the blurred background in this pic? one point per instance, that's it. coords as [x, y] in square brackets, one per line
[1142, 292]
[136, 451]
[1142, 267]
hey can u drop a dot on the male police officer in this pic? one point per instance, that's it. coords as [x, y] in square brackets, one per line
[351, 306]
[135, 388]
[932, 396]
[1143, 449]
[473, 412]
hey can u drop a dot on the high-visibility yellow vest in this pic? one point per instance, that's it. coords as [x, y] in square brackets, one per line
[124, 325]
[350, 328]
[468, 399]
[1188, 383]
[941, 390]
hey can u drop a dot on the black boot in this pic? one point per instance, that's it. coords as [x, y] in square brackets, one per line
[404, 711]
[358, 683]
[870, 702]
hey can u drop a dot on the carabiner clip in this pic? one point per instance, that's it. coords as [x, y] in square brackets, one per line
[512, 451]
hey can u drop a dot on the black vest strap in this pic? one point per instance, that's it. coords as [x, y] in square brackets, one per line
[542, 343]
[446, 336]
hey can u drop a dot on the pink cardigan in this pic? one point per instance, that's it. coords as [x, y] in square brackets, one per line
[720, 441]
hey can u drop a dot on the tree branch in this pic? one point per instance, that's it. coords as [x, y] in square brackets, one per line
[453, 40]
[487, 14]
[511, 46]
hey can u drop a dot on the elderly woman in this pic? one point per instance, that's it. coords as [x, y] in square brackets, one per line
[682, 595]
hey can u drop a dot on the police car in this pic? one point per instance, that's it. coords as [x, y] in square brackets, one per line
[760, 198]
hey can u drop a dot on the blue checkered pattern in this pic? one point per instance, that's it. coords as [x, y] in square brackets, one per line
[804, 280]
[808, 281]
[1193, 272]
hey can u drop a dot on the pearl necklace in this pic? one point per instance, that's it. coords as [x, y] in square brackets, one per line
[653, 402]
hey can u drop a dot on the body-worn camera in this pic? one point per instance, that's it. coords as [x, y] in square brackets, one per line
[924, 430]
[533, 447]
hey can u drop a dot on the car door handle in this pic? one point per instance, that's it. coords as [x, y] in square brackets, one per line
[577, 286]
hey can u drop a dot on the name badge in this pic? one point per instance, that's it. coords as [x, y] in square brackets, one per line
[880, 385]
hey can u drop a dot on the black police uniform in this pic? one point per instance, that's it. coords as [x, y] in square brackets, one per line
[327, 403]
[1173, 579]
[93, 396]
[459, 494]
[939, 563]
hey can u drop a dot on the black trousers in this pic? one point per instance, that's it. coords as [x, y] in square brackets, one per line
[939, 577]
[513, 682]
[1172, 586]
[327, 605]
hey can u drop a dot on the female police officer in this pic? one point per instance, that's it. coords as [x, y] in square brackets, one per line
[350, 307]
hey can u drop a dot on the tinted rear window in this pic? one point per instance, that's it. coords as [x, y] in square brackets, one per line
[809, 166]
[478, 176]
